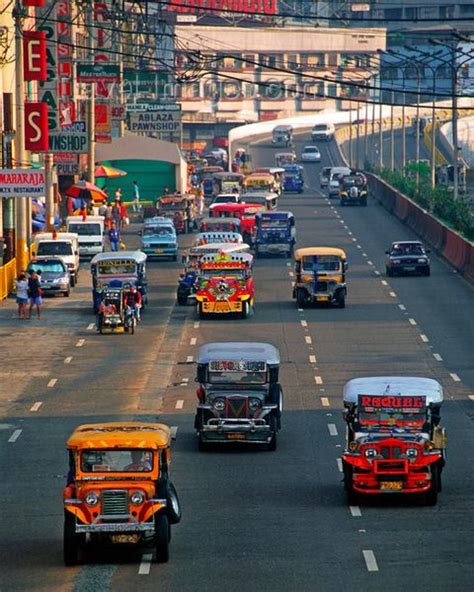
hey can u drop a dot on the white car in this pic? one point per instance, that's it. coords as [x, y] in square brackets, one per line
[311, 154]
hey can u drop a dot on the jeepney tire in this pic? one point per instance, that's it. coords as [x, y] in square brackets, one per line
[71, 541]
[341, 300]
[272, 445]
[353, 497]
[363, 202]
[389, 272]
[67, 293]
[300, 298]
[175, 258]
[276, 396]
[182, 298]
[431, 496]
[342, 202]
[73, 281]
[246, 310]
[427, 271]
[202, 446]
[132, 327]
[162, 538]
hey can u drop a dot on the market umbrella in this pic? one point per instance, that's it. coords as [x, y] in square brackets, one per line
[107, 171]
[86, 191]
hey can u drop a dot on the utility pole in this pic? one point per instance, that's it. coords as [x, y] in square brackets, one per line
[91, 102]
[392, 134]
[380, 131]
[404, 134]
[49, 178]
[454, 106]
[20, 152]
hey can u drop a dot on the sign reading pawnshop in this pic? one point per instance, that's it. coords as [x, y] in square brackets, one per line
[156, 118]
[22, 182]
[72, 138]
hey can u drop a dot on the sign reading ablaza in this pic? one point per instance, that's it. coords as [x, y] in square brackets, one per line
[22, 182]
[157, 121]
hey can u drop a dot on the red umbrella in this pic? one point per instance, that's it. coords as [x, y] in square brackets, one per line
[109, 172]
[87, 191]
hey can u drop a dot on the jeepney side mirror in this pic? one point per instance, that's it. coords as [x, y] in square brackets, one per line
[346, 266]
[387, 252]
[201, 373]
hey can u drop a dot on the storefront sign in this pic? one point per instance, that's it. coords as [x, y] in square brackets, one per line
[72, 138]
[22, 182]
[216, 7]
[34, 55]
[36, 127]
[96, 72]
[67, 110]
[168, 122]
[66, 164]
[48, 89]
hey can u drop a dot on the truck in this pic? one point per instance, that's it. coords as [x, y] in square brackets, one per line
[90, 231]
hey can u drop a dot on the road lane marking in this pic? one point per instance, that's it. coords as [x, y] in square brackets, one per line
[90, 326]
[349, 233]
[304, 323]
[455, 377]
[354, 240]
[471, 397]
[145, 565]
[179, 404]
[14, 437]
[189, 359]
[300, 310]
[80, 343]
[339, 464]
[393, 294]
[376, 272]
[370, 561]
[318, 380]
[342, 221]
[359, 247]
[364, 254]
[355, 511]
[174, 432]
[196, 324]
[402, 307]
[291, 274]
[437, 357]
[384, 283]
[412, 321]
[36, 406]
[193, 341]
[68, 360]
[52, 382]
[184, 380]
[308, 339]
[424, 338]
[369, 262]
[288, 264]
[332, 429]
[312, 359]
[324, 401]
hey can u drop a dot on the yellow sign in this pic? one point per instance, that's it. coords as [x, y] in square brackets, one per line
[222, 307]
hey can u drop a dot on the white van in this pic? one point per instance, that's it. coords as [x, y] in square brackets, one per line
[323, 131]
[60, 244]
[335, 175]
[90, 232]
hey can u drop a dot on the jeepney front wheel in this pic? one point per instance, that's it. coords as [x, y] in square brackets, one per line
[245, 309]
[162, 538]
[166, 490]
[341, 299]
[71, 541]
[431, 496]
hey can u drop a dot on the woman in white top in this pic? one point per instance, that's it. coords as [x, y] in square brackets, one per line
[21, 295]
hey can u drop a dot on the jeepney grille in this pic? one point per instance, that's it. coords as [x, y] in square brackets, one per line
[391, 466]
[274, 238]
[390, 452]
[163, 245]
[321, 286]
[237, 407]
[114, 502]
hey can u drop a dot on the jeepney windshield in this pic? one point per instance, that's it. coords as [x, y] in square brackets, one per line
[116, 461]
[116, 268]
[221, 227]
[55, 247]
[157, 230]
[238, 274]
[85, 229]
[392, 417]
[274, 223]
[237, 372]
[317, 263]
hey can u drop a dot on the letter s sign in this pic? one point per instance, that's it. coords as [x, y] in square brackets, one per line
[36, 127]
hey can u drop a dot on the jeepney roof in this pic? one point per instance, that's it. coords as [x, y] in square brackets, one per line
[85, 219]
[280, 154]
[283, 127]
[219, 247]
[311, 251]
[118, 434]
[227, 257]
[158, 221]
[219, 236]
[257, 176]
[226, 174]
[275, 215]
[236, 207]
[212, 221]
[238, 350]
[394, 385]
[269, 170]
[137, 256]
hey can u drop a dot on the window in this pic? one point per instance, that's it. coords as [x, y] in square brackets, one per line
[231, 90]
[390, 73]
[411, 13]
[211, 90]
[251, 57]
[116, 461]
[332, 90]
[190, 91]
[312, 60]
[271, 90]
[332, 59]
[393, 13]
[412, 73]
[292, 61]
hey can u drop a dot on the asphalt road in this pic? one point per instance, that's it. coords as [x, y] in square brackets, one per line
[252, 520]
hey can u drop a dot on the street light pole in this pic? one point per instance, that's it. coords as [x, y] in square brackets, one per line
[392, 133]
[91, 102]
[380, 131]
[454, 105]
[417, 152]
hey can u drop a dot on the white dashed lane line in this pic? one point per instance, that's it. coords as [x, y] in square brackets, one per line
[189, 359]
[308, 339]
[402, 307]
[179, 404]
[145, 565]
[68, 360]
[14, 437]
[174, 432]
[80, 343]
[339, 464]
[355, 511]
[455, 377]
[52, 382]
[376, 272]
[324, 401]
[196, 324]
[90, 326]
[300, 310]
[36, 406]
[332, 429]
[369, 263]
[412, 321]
[370, 560]
[424, 338]
[312, 359]
[471, 397]
[318, 380]
[393, 294]
[437, 357]
[304, 323]
[384, 283]
[291, 274]
[193, 341]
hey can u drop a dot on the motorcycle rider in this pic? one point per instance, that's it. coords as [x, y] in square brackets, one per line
[133, 299]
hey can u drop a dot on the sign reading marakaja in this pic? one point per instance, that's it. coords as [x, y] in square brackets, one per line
[391, 402]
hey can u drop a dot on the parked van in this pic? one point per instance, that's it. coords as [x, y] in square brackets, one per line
[323, 131]
[59, 244]
[90, 231]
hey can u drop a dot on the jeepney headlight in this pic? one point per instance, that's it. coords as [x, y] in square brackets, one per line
[306, 278]
[92, 499]
[412, 452]
[395, 260]
[219, 404]
[137, 498]
[422, 260]
[370, 452]
[254, 404]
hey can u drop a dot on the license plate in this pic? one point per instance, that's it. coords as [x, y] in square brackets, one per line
[321, 298]
[236, 436]
[222, 307]
[391, 485]
[159, 250]
[125, 538]
[410, 268]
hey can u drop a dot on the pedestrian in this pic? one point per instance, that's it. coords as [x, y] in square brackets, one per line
[118, 194]
[123, 216]
[136, 203]
[166, 190]
[103, 209]
[114, 237]
[200, 201]
[108, 216]
[21, 295]
[116, 213]
[34, 293]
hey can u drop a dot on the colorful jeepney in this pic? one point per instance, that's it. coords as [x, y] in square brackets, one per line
[180, 208]
[118, 488]
[239, 395]
[395, 443]
[205, 238]
[118, 269]
[219, 225]
[293, 179]
[283, 159]
[261, 182]
[276, 233]
[227, 182]
[278, 174]
[226, 284]
[206, 176]
[245, 212]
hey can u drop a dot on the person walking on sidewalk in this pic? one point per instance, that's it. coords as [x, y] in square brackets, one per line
[34, 293]
[114, 237]
[136, 202]
[21, 295]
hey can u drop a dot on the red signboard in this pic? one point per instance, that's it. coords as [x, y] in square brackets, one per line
[36, 127]
[34, 55]
[390, 401]
[38, 3]
[222, 6]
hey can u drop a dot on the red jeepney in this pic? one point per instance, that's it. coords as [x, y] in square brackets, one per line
[226, 285]
[245, 212]
[395, 443]
[219, 225]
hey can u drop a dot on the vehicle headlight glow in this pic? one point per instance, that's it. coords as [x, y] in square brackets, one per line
[422, 260]
[137, 498]
[370, 452]
[92, 499]
[412, 452]
[219, 404]
[395, 261]
[254, 404]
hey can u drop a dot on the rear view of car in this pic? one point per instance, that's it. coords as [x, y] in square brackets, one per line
[311, 154]
[323, 131]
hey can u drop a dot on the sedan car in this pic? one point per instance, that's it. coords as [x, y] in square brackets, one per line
[311, 154]
[55, 277]
[407, 257]
[226, 198]
[333, 187]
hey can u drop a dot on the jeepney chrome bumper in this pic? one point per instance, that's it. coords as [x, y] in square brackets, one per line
[274, 247]
[217, 424]
[110, 527]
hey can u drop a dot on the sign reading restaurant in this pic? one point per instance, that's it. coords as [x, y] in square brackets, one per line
[222, 6]
[22, 182]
